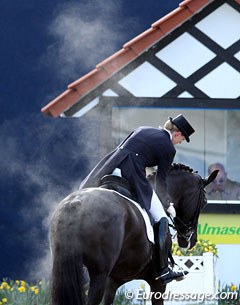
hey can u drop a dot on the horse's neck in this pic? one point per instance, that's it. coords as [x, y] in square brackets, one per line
[188, 208]
[184, 191]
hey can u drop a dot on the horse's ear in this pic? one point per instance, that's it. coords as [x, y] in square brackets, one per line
[210, 178]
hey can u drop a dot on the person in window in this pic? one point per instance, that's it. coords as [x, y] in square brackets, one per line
[148, 147]
[222, 188]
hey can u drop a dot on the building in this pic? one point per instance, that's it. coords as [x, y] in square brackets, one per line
[187, 62]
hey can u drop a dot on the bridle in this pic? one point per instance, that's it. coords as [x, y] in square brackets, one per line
[182, 229]
[187, 230]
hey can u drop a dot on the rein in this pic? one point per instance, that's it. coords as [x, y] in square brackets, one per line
[183, 229]
[186, 230]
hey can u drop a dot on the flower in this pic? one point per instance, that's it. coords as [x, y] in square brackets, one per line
[19, 292]
[233, 288]
[200, 247]
[5, 285]
[21, 289]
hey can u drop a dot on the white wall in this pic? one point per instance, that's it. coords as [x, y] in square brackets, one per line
[228, 264]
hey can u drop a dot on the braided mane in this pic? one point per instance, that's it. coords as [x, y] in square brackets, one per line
[180, 166]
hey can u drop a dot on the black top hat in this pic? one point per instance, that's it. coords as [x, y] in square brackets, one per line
[183, 125]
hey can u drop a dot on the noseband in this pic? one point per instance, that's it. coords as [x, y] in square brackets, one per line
[184, 230]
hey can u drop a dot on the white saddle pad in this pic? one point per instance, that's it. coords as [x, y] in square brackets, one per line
[149, 228]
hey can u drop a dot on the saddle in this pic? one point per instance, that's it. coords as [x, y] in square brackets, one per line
[118, 184]
[122, 186]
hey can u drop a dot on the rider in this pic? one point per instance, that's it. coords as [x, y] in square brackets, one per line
[148, 147]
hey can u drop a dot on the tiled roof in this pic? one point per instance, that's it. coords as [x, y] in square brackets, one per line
[128, 53]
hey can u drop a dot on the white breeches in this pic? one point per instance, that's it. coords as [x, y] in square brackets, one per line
[117, 172]
[156, 209]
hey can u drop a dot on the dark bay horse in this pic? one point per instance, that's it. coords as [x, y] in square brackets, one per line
[97, 230]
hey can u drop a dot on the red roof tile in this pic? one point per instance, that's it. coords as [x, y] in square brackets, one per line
[129, 52]
[144, 40]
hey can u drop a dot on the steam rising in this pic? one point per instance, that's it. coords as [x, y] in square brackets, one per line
[87, 33]
[41, 166]
[44, 163]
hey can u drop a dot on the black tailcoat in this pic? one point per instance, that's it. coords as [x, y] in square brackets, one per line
[144, 147]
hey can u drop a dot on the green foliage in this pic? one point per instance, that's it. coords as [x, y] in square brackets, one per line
[120, 298]
[20, 292]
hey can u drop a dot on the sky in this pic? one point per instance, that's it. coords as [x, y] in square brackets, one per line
[45, 45]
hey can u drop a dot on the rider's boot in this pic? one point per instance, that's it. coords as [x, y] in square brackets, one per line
[164, 245]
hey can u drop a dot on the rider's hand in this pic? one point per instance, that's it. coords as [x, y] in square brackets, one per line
[171, 210]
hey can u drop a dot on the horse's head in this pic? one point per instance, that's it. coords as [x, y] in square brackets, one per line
[187, 190]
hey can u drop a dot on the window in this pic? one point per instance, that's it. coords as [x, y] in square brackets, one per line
[216, 137]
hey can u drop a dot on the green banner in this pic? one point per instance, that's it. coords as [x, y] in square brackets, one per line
[219, 228]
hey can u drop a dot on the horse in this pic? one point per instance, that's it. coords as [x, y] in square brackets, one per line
[99, 233]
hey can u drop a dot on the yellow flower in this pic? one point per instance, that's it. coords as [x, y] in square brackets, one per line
[5, 285]
[4, 300]
[32, 288]
[233, 288]
[200, 247]
[17, 282]
[23, 283]
[21, 289]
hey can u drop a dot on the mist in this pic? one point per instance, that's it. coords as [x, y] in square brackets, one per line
[41, 166]
[85, 34]
[44, 159]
